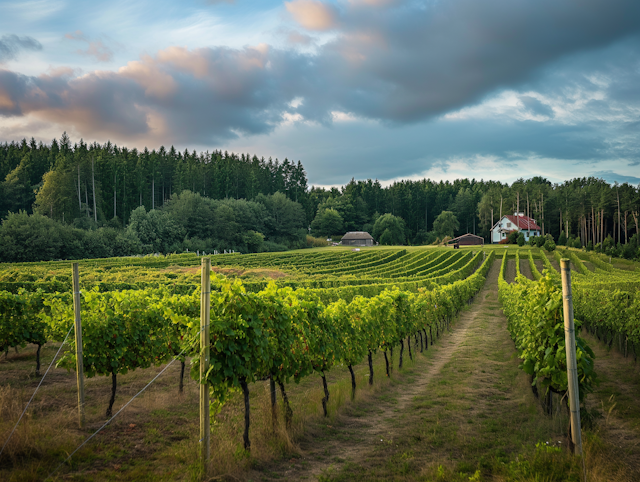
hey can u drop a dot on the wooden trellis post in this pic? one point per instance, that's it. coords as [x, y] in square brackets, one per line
[570, 347]
[78, 333]
[205, 300]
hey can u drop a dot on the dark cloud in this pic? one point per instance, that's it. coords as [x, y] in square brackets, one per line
[11, 45]
[408, 63]
[398, 63]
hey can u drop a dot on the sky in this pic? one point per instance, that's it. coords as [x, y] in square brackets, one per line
[380, 89]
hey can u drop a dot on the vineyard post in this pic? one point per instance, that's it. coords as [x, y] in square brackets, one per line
[570, 346]
[205, 299]
[78, 333]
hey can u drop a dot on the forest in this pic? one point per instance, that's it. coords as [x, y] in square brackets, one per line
[67, 200]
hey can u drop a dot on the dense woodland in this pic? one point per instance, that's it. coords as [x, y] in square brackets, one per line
[65, 200]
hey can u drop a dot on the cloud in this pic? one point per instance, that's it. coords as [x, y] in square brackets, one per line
[534, 106]
[298, 38]
[373, 3]
[11, 45]
[95, 48]
[397, 64]
[313, 14]
[200, 95]
[613, 177]
[408, 63]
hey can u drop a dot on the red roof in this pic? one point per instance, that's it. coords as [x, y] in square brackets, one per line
[524, 222]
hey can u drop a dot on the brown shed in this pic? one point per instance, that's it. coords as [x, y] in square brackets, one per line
[357, 238]
[467, 240]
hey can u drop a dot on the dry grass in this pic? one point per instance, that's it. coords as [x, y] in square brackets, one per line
[34, 440]
[155, 437]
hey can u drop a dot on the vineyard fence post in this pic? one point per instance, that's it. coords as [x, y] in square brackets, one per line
[78, 333]
[205, 428]
[570, 346]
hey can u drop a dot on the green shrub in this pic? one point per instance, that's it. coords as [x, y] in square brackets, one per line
[316, 242]
[549, 245]
[562, 239]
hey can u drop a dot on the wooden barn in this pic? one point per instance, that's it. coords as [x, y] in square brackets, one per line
[467, 240]
[357, 238]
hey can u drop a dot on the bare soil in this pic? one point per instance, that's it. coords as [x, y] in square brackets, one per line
[510, 272]
[525, 269]
[539, 265]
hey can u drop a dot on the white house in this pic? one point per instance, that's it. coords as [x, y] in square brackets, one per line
[517, 222]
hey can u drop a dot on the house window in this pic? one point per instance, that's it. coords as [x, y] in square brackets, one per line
[508, 225]
[504, 235]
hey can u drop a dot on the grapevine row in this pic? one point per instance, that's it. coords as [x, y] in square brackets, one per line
[278, 332]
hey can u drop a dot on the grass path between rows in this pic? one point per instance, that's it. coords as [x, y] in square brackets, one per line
[462, 411]
[617, 398]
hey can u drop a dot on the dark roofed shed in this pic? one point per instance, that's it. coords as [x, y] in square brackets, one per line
[357, 238]
[467, 240]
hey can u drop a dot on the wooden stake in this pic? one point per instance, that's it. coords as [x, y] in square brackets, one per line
[205, 300]
[78, 333]
[570, 346]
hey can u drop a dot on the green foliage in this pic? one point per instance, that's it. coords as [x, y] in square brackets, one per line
[285, 221]
[254, 241]
[547, 462]
[61, 176]
[121, 331]
[389, 230]
[425, 238]
[327, 222]
[609, 311]
[446, 224]
[536, 324]
[520, 240]
[549, 245]
[276, 332]
[631, 250]
[316, 242]
[512, 237]
[562, 239]
[156, 230]
[19, 323]
[35, 237]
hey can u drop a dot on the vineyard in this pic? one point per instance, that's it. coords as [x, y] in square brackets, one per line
[296, 319]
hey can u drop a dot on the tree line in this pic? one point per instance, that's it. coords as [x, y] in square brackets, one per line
[167, 200]
[107, 182]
